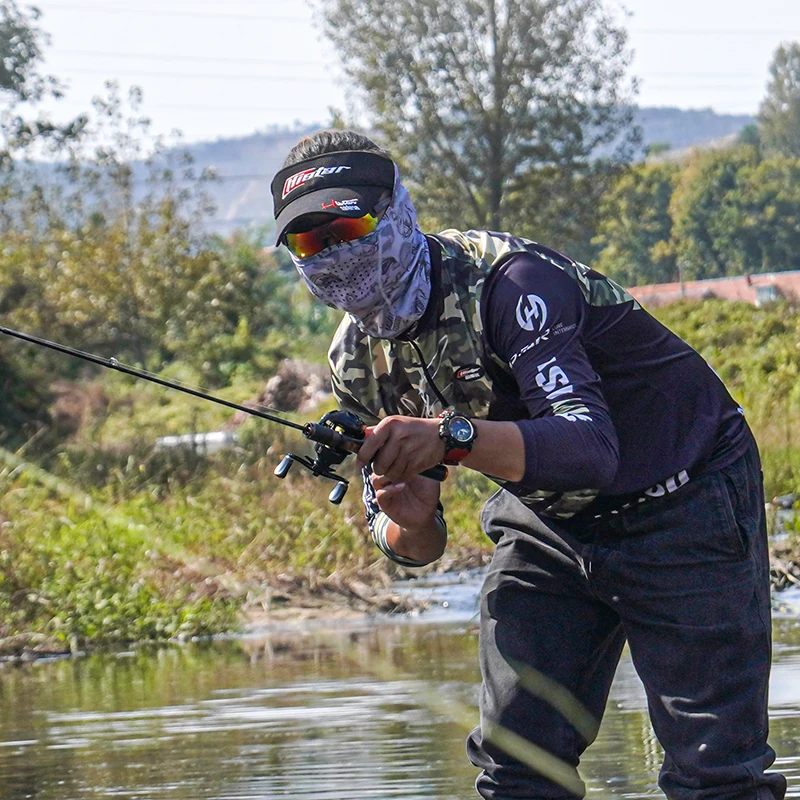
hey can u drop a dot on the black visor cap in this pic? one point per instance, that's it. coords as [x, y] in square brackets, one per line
[344, 184]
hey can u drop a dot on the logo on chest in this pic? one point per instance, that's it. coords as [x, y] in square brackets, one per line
[469, 373]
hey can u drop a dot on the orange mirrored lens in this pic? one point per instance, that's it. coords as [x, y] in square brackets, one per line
[341, 229]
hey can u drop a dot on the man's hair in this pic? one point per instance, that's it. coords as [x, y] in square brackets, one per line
[322, 142]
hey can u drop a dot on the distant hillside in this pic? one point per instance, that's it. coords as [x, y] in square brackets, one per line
[246, 165]
[681, 128]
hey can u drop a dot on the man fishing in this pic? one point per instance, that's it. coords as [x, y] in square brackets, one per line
[630, 508]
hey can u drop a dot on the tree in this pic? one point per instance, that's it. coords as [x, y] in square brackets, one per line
[771, 214]
[734, 214]
[635, 226]
[109, 254]
[779, 116]
[21, 48]
[481, 99]
[21, 42]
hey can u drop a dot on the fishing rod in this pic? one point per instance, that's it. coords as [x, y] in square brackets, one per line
[337, 435]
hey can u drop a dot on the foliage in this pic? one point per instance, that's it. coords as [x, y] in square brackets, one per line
[779, 115]
[24, 399]
[635, 226]
[75, 576]
[755, 351]
[569, 217]
[109, 255]
[707, 186]
[722, 212]
[21, 43]
[483, 100]
[124, 541]
[734, 214]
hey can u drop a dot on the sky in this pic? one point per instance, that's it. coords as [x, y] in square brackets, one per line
[218, 69]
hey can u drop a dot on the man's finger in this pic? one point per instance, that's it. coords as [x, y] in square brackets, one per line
[379, 481]
[387, 459]
[374, 439]
[401, 468]
[390, 490]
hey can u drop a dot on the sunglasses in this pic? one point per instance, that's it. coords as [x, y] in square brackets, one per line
[305, 244]
[342, 229]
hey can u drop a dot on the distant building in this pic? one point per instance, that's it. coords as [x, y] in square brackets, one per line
[754, 289]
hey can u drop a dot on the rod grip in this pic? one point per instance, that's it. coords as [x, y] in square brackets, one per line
[437, 473]
[331, 438]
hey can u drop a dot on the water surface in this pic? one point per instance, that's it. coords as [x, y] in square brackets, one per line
[360, 712]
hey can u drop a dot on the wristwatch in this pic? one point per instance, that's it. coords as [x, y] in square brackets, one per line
[458, 434]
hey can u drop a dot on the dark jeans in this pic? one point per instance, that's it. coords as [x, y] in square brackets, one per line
[684, 579]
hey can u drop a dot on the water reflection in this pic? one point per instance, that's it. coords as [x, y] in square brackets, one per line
[302, 716]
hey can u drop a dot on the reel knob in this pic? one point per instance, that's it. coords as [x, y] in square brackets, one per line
[337, 493]
[282, 470]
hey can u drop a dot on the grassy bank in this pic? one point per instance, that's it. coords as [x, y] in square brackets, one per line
[104, 539]
[114, 547]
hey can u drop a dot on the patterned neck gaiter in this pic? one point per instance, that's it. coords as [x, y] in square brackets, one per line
[383, 279]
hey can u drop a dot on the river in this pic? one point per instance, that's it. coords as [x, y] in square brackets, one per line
[367, 711]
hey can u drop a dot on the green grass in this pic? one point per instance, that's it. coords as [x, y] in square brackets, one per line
[756, 351]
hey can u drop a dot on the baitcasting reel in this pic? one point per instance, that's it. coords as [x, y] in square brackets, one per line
[337, 435]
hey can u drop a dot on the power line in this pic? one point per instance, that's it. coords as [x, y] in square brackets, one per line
[159, 57]
[304, 20]
[322, 78]
[175, 13]
[198, 75]
[210, 109]
[701, 88]
[286, 62]
[699, 74]
[685, 32]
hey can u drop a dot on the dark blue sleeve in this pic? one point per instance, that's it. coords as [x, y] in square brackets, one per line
[535, 317]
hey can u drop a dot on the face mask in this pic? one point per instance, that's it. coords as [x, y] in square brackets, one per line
[383, 279]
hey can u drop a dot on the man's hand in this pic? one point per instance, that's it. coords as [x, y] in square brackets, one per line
[411, 504]
[399, 448]
[414, 530]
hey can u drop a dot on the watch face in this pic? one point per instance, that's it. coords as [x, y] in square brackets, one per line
[460, 429]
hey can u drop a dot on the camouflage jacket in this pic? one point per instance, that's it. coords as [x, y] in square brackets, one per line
[375, 378]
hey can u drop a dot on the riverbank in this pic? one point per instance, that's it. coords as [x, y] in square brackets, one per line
[284, 601]
[298, 600]
[180, 547]
[184, 549]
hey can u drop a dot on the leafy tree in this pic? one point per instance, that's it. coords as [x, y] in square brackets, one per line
[111, 255]
[635, 226]
[495, 107]
[705, 193]
[750, 135]
[734, 214]
[21, 42]
[779, 116]
[771, 215]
